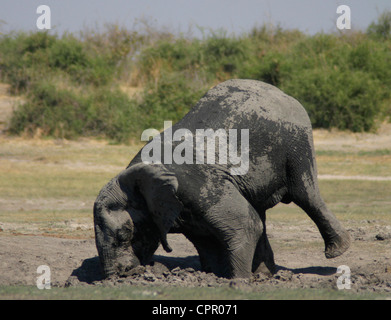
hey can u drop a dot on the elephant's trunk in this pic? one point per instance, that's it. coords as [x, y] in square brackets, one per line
[115, 257]
[107, 264]
[106, 256]
[114, 230]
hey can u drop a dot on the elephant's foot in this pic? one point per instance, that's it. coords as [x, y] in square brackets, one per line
[337, 245]
[266, 269]
[264, 258]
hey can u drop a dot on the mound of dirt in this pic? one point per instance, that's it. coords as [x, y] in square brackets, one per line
[375, 277]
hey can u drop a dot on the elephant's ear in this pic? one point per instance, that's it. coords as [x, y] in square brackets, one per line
[154, 186]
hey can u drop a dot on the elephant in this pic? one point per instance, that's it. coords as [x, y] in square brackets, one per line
[220, 210]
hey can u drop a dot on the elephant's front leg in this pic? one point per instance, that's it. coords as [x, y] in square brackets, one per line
[225, 258]
[209, 251]
[239, 230]
[240, 259]
[255, 250]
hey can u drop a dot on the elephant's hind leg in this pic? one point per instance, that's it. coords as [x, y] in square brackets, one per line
[337, 239]
[305, 193]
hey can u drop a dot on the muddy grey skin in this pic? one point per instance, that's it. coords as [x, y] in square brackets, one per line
[222, 214]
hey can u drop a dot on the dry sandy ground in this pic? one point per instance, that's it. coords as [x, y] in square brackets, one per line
[74, 262]
[298, 251]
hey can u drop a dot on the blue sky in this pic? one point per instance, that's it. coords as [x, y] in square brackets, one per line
[234, 16]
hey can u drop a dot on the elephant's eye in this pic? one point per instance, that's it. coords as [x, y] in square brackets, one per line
[114, 207]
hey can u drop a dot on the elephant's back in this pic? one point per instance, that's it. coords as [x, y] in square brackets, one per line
[243, 103]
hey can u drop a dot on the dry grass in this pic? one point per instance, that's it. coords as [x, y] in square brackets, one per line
[354, 154]
[345, 141]
[49, 186]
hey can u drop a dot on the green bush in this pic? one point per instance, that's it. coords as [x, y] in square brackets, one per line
[381, 29]
[70, 55]
[21, 56]
[58, 112]
[223, 55]
[343, 82]
[337, 99]
[269, 68]
[72, 84]
[169, 99]
[26, 57]
[168, 56]
[64, 113]
[112, 114]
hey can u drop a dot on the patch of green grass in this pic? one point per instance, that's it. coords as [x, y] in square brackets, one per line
[339, 153]
[35, 181]
[375, 153]
[355, 191]
[366, 163]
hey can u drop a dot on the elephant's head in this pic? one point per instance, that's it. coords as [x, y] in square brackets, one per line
[132, 213]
